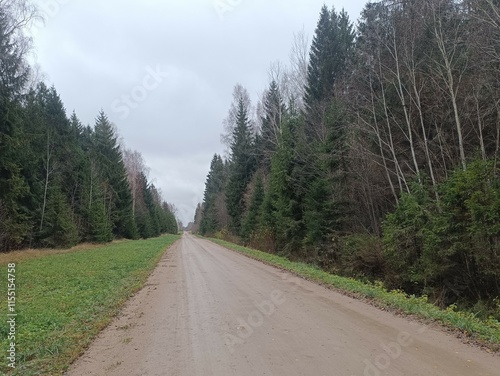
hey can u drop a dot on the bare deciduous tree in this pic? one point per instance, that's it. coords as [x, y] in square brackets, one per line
[134, 164]
[229, 123]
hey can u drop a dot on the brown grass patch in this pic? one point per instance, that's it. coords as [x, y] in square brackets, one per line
[29, 254]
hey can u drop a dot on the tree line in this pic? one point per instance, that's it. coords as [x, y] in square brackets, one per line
[374, 153]
[61, 182]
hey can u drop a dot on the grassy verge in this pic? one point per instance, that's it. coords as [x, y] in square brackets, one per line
[63, 300]
[485, 332]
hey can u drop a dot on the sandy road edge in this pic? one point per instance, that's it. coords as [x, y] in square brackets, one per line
[464, 337]
[122, 307]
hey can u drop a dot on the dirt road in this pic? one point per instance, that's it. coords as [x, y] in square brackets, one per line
[209, 311]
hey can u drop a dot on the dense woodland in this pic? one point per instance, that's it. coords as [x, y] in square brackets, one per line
[61, 182]
[374, 153]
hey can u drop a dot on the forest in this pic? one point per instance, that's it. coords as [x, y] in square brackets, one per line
[62, 182]
[374, 152]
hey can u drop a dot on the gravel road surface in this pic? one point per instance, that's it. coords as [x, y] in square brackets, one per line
[207, 310]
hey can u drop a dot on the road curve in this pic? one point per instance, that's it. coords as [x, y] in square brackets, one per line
[207, 311]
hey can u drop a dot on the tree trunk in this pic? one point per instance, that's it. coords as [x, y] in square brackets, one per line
[401, 94]
[47, 176]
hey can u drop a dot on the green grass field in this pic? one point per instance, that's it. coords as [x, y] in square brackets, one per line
[485, 332]
[63, 300]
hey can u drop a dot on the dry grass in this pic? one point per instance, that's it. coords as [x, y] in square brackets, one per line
[29, 254]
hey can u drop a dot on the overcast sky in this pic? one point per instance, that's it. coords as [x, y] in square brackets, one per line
[164, 71]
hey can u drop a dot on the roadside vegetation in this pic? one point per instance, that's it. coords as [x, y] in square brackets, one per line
[484, 332]
[373, 154]
[64, 299]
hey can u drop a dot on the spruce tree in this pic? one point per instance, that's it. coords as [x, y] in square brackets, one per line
[320, 72]
[49, 165]
[242, 166]
[283, 207]
[98, 226]
[150, 199]
[214, 185]
[14, 220]
[253, 214]
[90, 202]
[152, 216]
[331, 50]
[323, 147]
[116, 187]
[14, 72]
[59, 230]
[171, 223]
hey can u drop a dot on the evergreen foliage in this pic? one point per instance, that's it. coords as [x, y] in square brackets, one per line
[210, 221]
[448, 249]
[252, 217]
[391, 170]
[242, 166]
[60, 182]
[112, 169]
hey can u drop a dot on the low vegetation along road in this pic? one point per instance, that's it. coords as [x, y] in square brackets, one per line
[209, 311]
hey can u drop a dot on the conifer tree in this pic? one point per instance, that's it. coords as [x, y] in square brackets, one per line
[214, 185]
[252, 217]
[283, 206]
[14, 221]
[323, 148]
[116, 187]
[320, 72]
[242, 166]
[171, 224]
[14, 73]
[331, 49]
